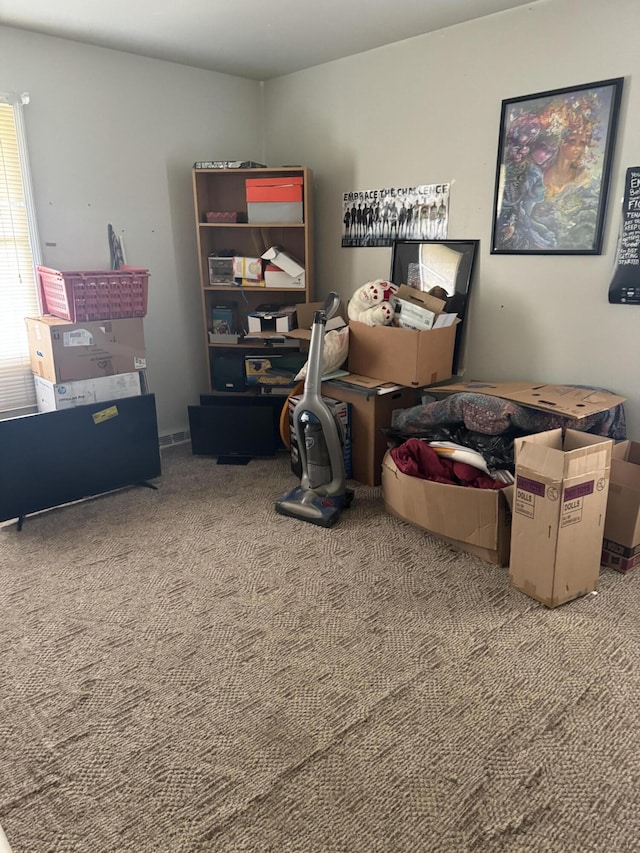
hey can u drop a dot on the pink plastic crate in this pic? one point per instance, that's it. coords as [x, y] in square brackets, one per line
[81, 295]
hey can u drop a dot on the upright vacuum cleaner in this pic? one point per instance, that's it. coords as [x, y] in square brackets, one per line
[322, 493]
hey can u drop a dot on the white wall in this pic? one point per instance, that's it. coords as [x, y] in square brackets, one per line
[112, 138]
[427, 110]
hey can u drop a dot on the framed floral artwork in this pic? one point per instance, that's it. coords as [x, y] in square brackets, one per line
[554, 164]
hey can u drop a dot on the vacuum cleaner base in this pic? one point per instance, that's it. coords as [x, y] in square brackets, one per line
[308, 506]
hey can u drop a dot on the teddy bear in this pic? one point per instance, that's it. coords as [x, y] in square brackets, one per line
[370, 304]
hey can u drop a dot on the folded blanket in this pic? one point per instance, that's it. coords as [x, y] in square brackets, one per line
[490, 415]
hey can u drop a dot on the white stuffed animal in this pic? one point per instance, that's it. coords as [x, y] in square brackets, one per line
[370, 303]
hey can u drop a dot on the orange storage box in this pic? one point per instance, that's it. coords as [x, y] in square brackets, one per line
[80, 296]
[274, 189]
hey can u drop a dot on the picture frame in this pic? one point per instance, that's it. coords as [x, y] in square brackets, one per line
[555, 151]
[445, 264]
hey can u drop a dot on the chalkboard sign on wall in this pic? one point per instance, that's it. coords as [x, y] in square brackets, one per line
[625, 286]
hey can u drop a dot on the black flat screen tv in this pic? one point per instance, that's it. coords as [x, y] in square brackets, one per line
[232, 431]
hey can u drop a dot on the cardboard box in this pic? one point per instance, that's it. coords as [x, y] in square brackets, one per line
[566, 400]
[51, 397]
[404, 356]
[276, 257]
[559, 508]
[340, 410]
[61, 351]
[621, 545]
[475, 520]
[272, 318]
[275, 277]
[370, 413]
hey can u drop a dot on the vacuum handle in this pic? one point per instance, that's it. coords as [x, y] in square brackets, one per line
[331, 305]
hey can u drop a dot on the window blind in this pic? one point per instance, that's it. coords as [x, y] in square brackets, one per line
[19, 253]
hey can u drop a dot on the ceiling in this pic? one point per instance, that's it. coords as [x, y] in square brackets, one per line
[258, 39]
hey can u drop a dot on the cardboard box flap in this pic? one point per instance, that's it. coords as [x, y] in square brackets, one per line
[575, 439]
[628, 451]
[419, 297]
[551, 458]
[366, 383]
[620, 450]
[540, 461]
[305, 312]
[564, 400]
[625, 474]
[283, 261]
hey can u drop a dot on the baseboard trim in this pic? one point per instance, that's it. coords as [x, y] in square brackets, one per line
[169, 440]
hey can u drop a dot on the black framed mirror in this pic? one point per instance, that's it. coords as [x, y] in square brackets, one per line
[442, 267]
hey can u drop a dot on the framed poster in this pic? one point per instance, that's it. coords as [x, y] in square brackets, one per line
[554, 164]
[380, 216]
[443, 268]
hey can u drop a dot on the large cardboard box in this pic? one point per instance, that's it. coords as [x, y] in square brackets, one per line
[371, 409]
[61, 351]
[404, 356]
[51, 397]
[559, 508]
[475, 520]
[621, 545]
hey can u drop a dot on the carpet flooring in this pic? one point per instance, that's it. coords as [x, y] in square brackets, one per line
[184, 670]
